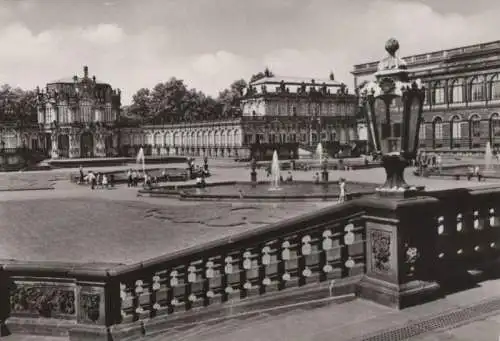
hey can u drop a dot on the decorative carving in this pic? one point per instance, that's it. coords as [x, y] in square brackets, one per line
[90, 304]
[381, 252]
[412, 255]
[391, 62]
[42, 300]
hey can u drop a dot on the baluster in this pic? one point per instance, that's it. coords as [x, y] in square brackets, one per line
[305, 250]
[208, 274]
[285, 256]
[264, 260]
[440, 228]
[153, 288]
[189, 279]
[246, 264]
[228, 270]
[459, 222]
[282, 258]
[491, 217]
[475, 220]
[123, 297]
[171, 284]
[138, 290]
[348, 239]
[326, 245]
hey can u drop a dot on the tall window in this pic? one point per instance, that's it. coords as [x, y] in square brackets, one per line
[495, 88]
[438, 93]
[475, 126]
[437, 127]
[456, 91]
[456, 131]
[495, 127]
[421, 132]
[477, 90]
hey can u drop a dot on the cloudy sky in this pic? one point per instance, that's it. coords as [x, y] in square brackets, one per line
[210, 43]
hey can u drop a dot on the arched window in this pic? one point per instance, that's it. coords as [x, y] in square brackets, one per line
[475, 126]
[495, 88]
[158, 139]
[477, 90]
[438, 93]
[495, 128]
[437, 128]
[456, 131]
[456, 91]
[10, 139]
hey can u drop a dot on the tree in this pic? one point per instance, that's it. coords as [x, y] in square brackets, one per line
[141, 107]
[168, 100]
[229, 99]
[18, 106]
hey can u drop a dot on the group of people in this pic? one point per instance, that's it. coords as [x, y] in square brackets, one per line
[474, 172]
[96, 180]
[425, 162]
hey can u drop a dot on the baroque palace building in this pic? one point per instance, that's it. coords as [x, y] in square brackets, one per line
[462, 106]
[277, 113]
[77, 117]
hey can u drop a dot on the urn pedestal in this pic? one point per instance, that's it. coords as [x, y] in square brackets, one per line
[253, 176]
[324, 176]
[399, 251]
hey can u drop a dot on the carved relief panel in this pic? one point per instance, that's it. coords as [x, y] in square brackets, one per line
[49, 300]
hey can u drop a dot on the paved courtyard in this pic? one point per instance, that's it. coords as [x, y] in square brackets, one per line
[116, 226]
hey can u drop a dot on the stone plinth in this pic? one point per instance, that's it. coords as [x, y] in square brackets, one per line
[399, 250]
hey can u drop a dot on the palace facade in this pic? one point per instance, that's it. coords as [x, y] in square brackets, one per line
[462, 106]
[278, 113]
[78, 117]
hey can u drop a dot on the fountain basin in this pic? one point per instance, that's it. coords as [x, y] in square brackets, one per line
[462, 171]
[262, 191]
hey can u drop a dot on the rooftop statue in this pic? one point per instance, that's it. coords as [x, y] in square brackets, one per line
[391, 62]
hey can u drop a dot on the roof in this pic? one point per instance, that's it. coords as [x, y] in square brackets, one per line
[295, 80]
[71, 80]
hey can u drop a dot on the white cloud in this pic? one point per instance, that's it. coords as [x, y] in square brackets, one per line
[209, 52]
[103, 34]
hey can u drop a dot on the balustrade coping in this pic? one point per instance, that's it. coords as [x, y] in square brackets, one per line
[107, 271]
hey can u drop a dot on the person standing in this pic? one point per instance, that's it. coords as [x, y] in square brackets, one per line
[342, 190]
[129, 178]
[92, 180]
[81, 174]
[104, 181]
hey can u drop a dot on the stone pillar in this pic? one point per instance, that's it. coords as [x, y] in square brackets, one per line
[400, 250]
[98, 308]
[74, 148]
[54, 153]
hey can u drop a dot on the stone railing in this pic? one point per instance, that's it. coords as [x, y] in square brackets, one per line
[395, 250]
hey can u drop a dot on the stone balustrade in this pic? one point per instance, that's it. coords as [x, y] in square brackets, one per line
[397, 251]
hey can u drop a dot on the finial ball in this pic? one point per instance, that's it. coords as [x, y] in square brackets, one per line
[391, 46]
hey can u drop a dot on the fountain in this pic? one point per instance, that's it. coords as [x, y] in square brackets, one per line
[319, 153]
[140, 160]
[275, 173]
[322, 162]
[488, 157]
